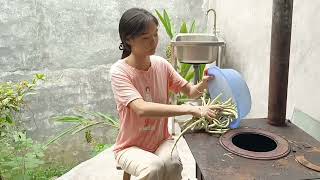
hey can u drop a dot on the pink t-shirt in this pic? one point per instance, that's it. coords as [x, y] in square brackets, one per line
[153, 85]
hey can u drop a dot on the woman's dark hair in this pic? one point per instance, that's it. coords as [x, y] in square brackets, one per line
[133, 23]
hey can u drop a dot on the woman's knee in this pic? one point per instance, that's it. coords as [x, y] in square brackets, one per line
[173, 170]
[155, 170]
[156, 166]
[176, 165]
[173, 163]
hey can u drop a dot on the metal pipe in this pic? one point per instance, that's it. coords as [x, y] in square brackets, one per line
[279, 61]
[214, 20]
[196, 68]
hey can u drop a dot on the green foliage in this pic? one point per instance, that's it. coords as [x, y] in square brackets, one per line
[12, 97]
[48, 171]
[18, 153]
[185, 70]
[98, 148]
[166, 22]
[83, 120]
[20, 157]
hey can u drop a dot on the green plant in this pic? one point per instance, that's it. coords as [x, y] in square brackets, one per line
[12, 97]
[48, 171]
[18, 153]
[83, 120]
[20, 156]
[98, 148]
[183, 69]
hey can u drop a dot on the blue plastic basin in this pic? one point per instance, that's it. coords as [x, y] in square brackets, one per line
[230, 83]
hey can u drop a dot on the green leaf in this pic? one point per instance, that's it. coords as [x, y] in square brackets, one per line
[202, 67]
[193, 27]
[165, 24]
[32, 162]
[10, 92]
[9, 119]
[183, 28]
[16, 137]
[167, 19]
[5, 101]
[22, 136]
[20, 98]
[77, 119]
[40, 76]
[184, 69]
[61, 135]
[108, 119]
[86, 126]
[190, 76]
[99, 148]
[21, 177]
[161, 18]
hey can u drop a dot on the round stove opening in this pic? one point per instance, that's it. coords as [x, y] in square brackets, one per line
[254, 142]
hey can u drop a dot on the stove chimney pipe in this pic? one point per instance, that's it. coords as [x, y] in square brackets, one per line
[279, 61]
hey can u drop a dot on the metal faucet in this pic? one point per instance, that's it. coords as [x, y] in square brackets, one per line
[214, 22]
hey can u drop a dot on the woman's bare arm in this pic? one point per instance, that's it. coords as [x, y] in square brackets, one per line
[150, 109]
[195, 91]
[155, 110]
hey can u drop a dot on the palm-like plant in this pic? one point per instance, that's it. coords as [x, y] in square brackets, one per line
[82, 121]
[183, 69]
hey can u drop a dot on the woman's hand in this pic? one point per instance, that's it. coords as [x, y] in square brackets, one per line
[207, 112]
[195, 91]
[205, 81]
[200, 87]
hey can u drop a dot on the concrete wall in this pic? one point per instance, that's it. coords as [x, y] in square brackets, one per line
[73, 43]
[246, 27]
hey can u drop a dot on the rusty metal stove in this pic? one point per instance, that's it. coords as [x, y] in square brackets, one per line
[214, 162]
[255, 144]
[286, 152]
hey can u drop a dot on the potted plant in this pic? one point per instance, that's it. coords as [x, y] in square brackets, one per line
[183, 69]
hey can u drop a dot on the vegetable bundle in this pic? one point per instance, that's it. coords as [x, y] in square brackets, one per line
[226, 112]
